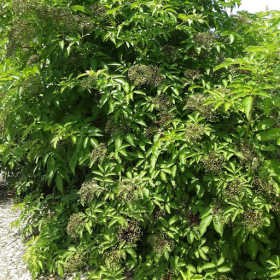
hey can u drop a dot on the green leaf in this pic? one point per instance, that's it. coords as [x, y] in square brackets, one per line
[252, 247]
[60, 270]
[172, 220]
[208, 265]
[59, 182]
[129, 137]
[247, 105]
[205, 222]
[131, 252]
[265, 124]
[262, 236]
[271, 134]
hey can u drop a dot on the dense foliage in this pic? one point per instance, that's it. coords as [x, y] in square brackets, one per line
[142, 137]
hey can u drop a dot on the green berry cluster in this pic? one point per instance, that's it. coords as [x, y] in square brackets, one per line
[165, 118]
[236, 70]
[205, 39]
[194, 132]
[115, 129]
[87, 83]
[170, 52]
[264, 187]
[83, 22]
[224, 90]
[74, 264]
[98, 153]
[213, 162]
[192, 74]
[76, 224]
[113, 258]
[130, 191]
[234, 190]
[253, 219]
[249, 158]
[129, 233]
[145, 75]
[21, 35]
[168, 275]
[195, 103]
[32, 85]
[240, 19]
[162, 102]
[98, 11]
[192, 218]
[161, 245]
[89, 190]
[33, 59]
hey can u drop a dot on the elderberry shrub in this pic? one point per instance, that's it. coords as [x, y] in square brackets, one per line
[192, 74]
[205, 39]
[213, 162]
[264, 187]
[145, 75]
[170, 52]
[129, 191]
[115, 129]
[98, 153]
[32, 85]
[195, 103]
[113, 258]
[76, 224]
[129, 233]
[235, 190]
[162, 102]
[253, 219]
[33, 59]
[74, 264]
[98, 11]
[89, 190]
[194, 132]
[249, 158]
[87, 83]
[161, 245]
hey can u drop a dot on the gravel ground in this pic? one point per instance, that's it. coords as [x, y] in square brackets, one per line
[12, 248]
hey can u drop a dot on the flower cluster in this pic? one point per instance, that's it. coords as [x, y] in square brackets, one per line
[162, 102]
[113, 258]
[236, 70]
[32, 85]
[253, 219]
[240, 19]
[193, 218]
[98, 11]
[264, 187]
[223, 90]
[83, 23]
[161, 245]
[205, 39]
[170, 52]
[234, 190]
[76, 224]
[20, 35]
[195, 103]
[115, 129]
[192, 74]
[145, 75]
[194, 132]
[129, 233]
[213, 162]
[89, 190]
[87, 83]
[249, 158]
[98, 153]
[130, 191]
[33, 59]
[74, 264]
[159, 126]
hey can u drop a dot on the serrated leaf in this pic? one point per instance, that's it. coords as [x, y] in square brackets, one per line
[271, 134]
